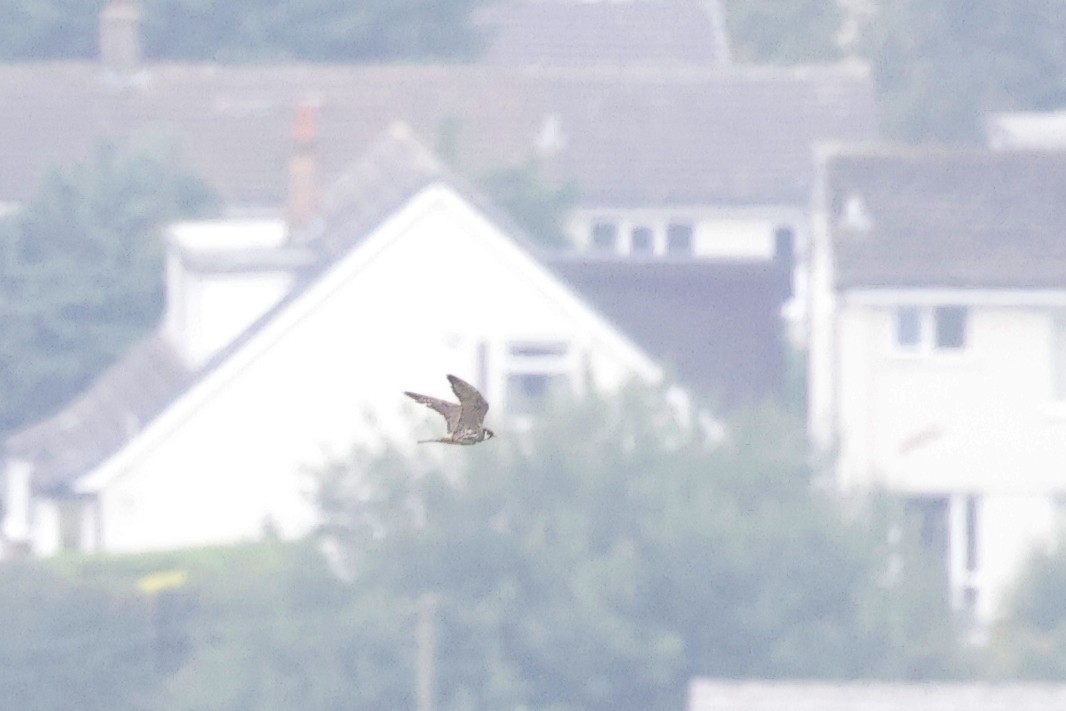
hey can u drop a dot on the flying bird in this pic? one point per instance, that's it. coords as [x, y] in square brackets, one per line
[465, 419]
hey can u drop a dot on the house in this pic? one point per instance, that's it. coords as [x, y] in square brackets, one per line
[733, 695]
[672, 150]
[603, 32]
[280, 338]
[938, 347]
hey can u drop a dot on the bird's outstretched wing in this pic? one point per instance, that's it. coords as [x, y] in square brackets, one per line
[449, 410]
[474, 406]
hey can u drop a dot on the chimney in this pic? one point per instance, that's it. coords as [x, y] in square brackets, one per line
[302, 199]
[120, 36]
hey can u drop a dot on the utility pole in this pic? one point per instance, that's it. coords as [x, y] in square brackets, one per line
[425, 669]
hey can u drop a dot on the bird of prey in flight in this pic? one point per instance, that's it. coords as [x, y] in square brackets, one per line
[465, 418]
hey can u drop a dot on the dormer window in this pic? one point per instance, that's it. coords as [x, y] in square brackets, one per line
[605, 237]
[679, 239]
[642, 241]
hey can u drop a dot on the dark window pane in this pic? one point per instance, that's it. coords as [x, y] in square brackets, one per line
[950, 326]
[784, 244]
[642, 241]
[930, 514]
[908, 326]
[530, 392]
[971, 533]
[604, 237]
[679, 239]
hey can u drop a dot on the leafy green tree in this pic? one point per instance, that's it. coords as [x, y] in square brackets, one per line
[48, 29]
[281, 631]
[81, 270]
[783, 31]
[942, 65]
[616, 553]
[536, 204]
[1030, 641]
[250, 30]
[66, 645]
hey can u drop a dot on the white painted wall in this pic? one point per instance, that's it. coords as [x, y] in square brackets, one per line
[46, 539]
[409, 305]
[217, 307]
[979, 421]
[207, 309]
[18, 474]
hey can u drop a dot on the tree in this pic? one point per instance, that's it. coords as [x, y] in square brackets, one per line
[942, 65]
[81, 270]
[534, 203]
[616, 553]
[68, 646]
[1030, 640]
[250, 30]
[48, 29]
[784, 31]
[277, 630]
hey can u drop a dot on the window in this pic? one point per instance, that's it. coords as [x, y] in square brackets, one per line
[950, 326]
[908, 327]
[604, 237]
[537, 372]
[1058, 354]
[949, 529]
[529, 392]
[971, 533]
[930, 514]
[642, 241]
[679, 239]
[921, 328]
[784, 245]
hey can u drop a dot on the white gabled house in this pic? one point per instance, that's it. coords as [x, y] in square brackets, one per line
[938, 347]
[278, 341]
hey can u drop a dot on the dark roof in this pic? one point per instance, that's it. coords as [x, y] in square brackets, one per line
[97, 422]
[725, 695]
[947, 218]
[615, 33]
[714, 325]
[626, 136]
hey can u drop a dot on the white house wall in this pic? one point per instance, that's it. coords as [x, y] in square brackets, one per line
[981, 418]
[218, 307]
[229, 459]
[980, 422]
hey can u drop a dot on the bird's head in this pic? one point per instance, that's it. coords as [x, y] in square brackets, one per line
[489, 434]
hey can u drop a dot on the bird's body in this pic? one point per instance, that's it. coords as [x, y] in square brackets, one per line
[465, 419]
